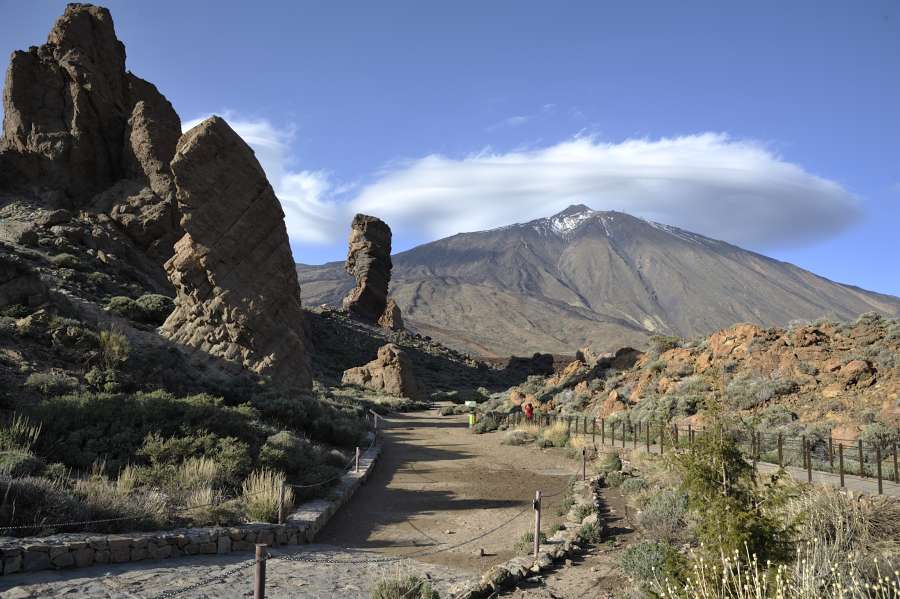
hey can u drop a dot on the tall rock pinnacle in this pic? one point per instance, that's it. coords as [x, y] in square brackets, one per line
[237, 293]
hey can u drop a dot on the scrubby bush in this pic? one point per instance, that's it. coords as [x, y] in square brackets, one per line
[404, 587]
[663, 343]
[664, 513]
[106, 380]
[19, 434]
[591, 533]
[65, 261]
[749, 392]
[583, 511]
[125, 307]
[261, 493]
[633, 485]
[555, 435]
[488, 423]
[50, 383]
[656, 366]
[38, 501]
[614, 479]
[517, 437]
[649, 562]
[20, 463]
[155, 308]
[525, 544]
[447, 410]
[114, 348]
[609, 462]
[879, 433]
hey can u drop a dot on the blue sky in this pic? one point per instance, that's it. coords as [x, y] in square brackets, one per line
[769, 124]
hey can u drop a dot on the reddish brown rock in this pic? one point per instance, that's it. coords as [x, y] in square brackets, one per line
[369, 261]
[390, 373]
[237, 292]
[391, 318]
[76, 124]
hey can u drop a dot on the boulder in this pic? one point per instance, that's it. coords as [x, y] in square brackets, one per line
[369, 261]
[237, 296]
[391, 319]
[391, 372]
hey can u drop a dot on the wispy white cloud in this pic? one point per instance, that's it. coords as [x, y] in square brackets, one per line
[511, 122]
[736, 190]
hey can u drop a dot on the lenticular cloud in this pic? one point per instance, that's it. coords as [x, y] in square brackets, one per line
[734, 190]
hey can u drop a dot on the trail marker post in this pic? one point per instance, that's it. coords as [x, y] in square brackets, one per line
[808, 463]
[357, 459]
[281, 503]
[862, 470]
[537, 522]
[830, 453]
[259, 578]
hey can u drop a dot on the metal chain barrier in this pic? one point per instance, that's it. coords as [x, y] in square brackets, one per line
[221, 576]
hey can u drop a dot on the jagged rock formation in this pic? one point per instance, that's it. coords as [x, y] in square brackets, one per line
[391, 373]
[76, 124]
[369, 262]
[391, 319]
[237, 292]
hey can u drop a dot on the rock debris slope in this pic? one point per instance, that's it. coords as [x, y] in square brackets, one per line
[237, 293]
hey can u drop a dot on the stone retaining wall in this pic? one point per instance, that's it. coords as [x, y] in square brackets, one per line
[563, 544]
[79, 550]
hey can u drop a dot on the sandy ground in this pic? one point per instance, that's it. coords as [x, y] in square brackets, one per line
[435, 489]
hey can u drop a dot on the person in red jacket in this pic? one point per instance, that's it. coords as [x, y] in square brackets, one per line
[529, 411]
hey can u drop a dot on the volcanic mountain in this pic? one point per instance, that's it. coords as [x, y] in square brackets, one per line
[591, 278]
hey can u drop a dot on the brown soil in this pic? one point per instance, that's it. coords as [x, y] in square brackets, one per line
[437, 485]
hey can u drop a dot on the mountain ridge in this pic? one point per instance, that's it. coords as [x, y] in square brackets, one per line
[598, 278]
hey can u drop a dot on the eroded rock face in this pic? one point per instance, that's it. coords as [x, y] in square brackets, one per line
[237, 293]
[369, 261]
[391, 373]
[75, 123]
[391, 319]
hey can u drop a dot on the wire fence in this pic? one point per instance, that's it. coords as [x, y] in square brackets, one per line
[876, 460]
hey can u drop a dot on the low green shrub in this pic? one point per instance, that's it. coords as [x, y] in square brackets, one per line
[65, 261]
[20, 463]
[447, 410]
[614, 479]
[591, 533]
[125, 307]
[488, 423]
[633, 485]
[517, 437]
[38, 501]
[609, 462]
[583, 511]
[649, 562]
[749, 392]
[155, 308]
[404, 587]
[525, 544]
[51, 383]
[664, 513]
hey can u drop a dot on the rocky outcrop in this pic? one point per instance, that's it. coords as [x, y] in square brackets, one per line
[391, 373]
[76, 124]
[237, 292]
[391, 318]
[369, 261]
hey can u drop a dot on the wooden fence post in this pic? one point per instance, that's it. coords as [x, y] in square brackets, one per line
[594, 432]
[780, 451]
[259, 578]
[841, 462]
[862, 459]
[357, 459]
[537, 522]
[662, 438]
[568, 426]
[634, 437]
[602, 431]
[623, 433]
[647, 437]
[830, 453]
[878, 467]
[803, 449]
[896, 472]
[808, 463]
[675, 434]
[690, 435]
[281, 502]
[583, 463]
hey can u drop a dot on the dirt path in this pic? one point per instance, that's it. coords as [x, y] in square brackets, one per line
[435, 487]
[595, 574]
